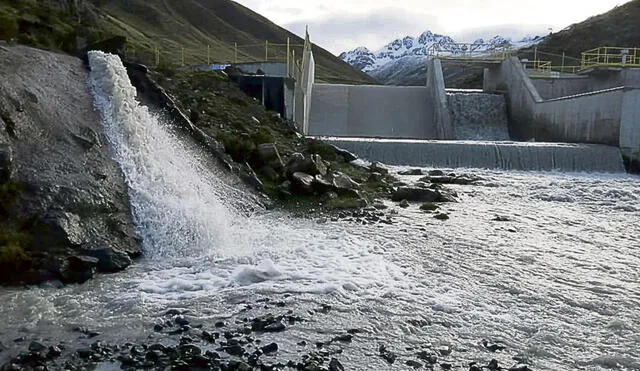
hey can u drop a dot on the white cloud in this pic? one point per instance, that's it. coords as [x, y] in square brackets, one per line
[339, 25]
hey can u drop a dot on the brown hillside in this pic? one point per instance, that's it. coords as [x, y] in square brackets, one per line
[618, 27]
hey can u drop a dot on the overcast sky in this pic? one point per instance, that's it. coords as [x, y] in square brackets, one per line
[340, 25]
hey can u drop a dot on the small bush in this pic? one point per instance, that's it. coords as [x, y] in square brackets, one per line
[262, 135]
[239, 148]
[8, 27]
[326, 151]
[13, 258]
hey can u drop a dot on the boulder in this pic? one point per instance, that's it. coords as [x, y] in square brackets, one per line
[378, 167]
[109, 259]
[312, 165]
[344, 182]
[346, 155]
[420, 194]
[411, 172]
[302, 183]
[322, 185]
[78, 269]
[448, 179]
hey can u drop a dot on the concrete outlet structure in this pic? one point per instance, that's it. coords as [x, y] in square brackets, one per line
[602, 107]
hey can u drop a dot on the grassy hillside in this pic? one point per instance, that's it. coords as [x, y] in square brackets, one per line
[618, 27]
[171, 26]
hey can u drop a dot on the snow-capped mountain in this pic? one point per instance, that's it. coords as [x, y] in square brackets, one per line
[413, 47]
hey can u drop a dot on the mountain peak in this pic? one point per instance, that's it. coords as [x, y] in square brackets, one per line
[409, 46]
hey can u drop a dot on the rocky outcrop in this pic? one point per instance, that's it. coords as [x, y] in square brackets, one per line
[72, 199]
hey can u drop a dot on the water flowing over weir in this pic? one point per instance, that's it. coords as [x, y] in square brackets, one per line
[487, 155]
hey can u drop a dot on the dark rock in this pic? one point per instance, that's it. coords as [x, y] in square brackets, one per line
[109, 259]
[189, 350]
[173, 312]
[404, 204]
[345, 338]
[420, 194]
[501, 218]
[346, 155]
[387, 355]
[378, 167]
[322, 185]
[84, 353]
[54, 352]
[441, 216]
[234, 350]
[312, 165]
[270, 348]
[302, 183]
[428, 357]
[411, 172]
[219, 324]
[335, 365]
[275, 327]
[446, 366]
[6, 162]
[436, 172]
[181, 321]
[158, 328]
[78, 269]
[343, 182]
[414, 364]
[36, 347]
[492, 347]
[493, 365]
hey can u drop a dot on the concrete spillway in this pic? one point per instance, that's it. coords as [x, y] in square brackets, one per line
[478, 116]
[488, 155]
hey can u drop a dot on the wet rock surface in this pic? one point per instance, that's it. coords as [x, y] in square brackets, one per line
[72, 197]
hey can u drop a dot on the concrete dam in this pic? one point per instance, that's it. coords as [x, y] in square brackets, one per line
[585, 123]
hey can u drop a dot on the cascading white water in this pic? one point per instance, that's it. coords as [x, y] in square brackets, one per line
[181, 211]
[173, 200]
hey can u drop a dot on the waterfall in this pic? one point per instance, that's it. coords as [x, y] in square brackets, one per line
[175, 202]
[488, 155]
[477, 115]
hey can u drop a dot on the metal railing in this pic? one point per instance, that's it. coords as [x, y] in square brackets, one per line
[607, 56]
[166, 54]
[466, 51]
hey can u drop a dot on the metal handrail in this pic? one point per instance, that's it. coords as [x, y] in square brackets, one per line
[608, 56]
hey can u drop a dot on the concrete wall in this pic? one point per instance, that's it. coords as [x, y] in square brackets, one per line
[630, 124]
[587, 118]
[437, 99]
[371, 111]
[552, 88]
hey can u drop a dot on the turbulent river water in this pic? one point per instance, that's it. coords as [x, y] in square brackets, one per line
[557, 283]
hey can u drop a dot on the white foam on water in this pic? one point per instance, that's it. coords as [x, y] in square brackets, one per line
[198, 243]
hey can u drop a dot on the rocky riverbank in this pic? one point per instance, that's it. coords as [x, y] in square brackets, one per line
[249, 341]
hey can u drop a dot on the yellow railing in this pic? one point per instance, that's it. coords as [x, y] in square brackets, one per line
[463, 51]
[611, 57]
